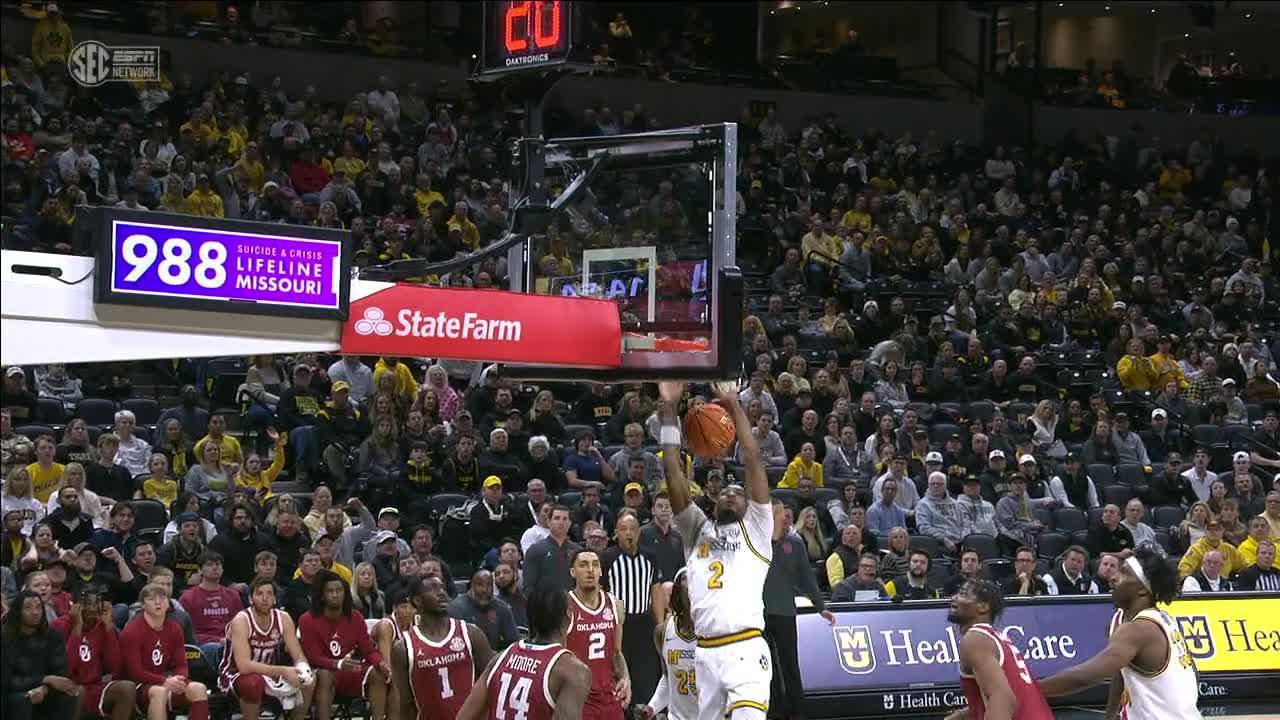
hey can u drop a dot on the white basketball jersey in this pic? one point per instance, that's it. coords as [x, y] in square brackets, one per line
[1170, 693]
[682, 682]
[726, 566]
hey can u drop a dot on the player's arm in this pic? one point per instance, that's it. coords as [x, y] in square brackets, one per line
[659, 599]
[621, 673]
[977, 652]
[292, 646]
[400, 678]
[1114, 695]
[661, 693]
[570, 683]
[1124, 646]
[481, 651]
[757, 482]
[477, 704]
[677, 484]
[384, 638]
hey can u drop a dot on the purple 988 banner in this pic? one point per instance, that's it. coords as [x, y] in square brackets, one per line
[167, 261]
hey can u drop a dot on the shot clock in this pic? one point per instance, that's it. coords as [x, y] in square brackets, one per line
[526, 35]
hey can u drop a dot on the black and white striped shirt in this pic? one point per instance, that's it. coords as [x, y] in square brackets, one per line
[630, 578]
[1255, 578]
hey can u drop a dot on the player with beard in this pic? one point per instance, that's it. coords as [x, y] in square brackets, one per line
[437, 658]
[249, 670]
[677, 691]
[727, 561]
[534, 679]
[595, 636]
[1152, 673]
[993, 675]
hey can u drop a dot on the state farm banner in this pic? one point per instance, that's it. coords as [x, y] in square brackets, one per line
[485, 325]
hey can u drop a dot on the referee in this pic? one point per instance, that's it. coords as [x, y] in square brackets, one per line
[631, 576]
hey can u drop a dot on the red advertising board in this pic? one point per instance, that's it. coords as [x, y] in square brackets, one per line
[487, 325]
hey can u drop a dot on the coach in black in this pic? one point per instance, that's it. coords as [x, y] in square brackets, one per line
[790, 574]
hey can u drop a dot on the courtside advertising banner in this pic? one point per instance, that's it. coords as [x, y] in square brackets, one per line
[485, 325]
[908, 656]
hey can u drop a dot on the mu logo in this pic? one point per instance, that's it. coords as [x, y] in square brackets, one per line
[1195, 631]
[853, 645]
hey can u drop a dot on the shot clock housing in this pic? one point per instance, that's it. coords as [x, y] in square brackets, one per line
[521, 36]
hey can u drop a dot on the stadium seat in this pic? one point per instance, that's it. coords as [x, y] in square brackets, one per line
[34, 431]
[149, 515]
[986, 545]
[953, 411]
[1131, 474]
[1168, 516]
[1095, 517]
[571, 432]
[1165, 540]
[786, 495]
[570, 499]
[824, 495]
[939, 432]
[1050, 545]
[97, 411]
[1101, 474]
[926, 543]
[982, 410]
[50, 411]
[442, 503]
[1238, 436]
[1117, 495]
[1069, 520]
[1207, 435]
[146, 410]
[1080, 537]
[999, 569]
[1045, 516]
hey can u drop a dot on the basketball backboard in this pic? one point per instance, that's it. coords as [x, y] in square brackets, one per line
[653, 230]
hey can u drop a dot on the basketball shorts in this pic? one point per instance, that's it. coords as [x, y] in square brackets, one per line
[352, 683]
[93, 699]
[733, 680]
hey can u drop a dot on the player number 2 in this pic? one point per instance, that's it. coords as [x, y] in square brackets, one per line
[595, 646]
[717, 571]
[513, 697]
[446, 690]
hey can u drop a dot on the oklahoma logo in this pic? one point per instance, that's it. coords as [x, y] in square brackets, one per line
[853, 647]
[374, 322]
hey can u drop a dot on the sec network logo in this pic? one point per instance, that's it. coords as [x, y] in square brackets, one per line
[854, 648]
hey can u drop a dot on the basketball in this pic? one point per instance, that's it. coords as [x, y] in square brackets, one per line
[709, 431]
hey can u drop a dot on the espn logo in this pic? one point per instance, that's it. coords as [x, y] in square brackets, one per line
[853, 646]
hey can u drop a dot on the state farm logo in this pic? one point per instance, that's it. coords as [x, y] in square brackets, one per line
[374, 322]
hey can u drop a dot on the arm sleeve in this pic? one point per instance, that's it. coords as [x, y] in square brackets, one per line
[177, 650]
[532, 569]
[835, 571]
[112, 661]
[1093, 495]
[807, 581]
[924, 521]
[1050, 585]
[1059, 493]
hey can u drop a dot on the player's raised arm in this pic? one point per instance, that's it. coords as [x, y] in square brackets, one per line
[757, 481]
[1125, 643]
[668, 414]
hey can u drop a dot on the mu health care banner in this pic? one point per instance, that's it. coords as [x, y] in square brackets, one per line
[485, 325]
[870, 649]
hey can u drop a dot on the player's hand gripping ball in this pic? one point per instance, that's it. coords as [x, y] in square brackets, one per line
[709, 431]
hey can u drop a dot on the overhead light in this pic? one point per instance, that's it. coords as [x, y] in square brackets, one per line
[1153, 11]
[1248, 15]
[1107, 8]
[1186, 35]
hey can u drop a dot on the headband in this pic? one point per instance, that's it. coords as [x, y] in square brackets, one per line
[1136, 567]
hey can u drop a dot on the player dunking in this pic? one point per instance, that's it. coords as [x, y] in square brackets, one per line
[677, 690]
[534, 679]
[1153, 675]
[727, 561]
[595, 636]
[437, 658]
[993, 676]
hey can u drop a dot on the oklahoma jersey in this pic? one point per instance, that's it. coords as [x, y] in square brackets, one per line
[726, 567]
[264, 645]
[593, 637]
[519, 683]
[440, 673]
[1171, 692]
[1031, 704]
[678, 688]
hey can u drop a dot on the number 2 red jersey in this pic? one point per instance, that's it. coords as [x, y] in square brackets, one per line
[592, 636]
[440, 673]
[519, 683]
[1031, 704]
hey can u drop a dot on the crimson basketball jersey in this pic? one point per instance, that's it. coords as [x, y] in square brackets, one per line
[592, 636]
[1026, 692]
[264, 646]
[440, 673]
[519, 683]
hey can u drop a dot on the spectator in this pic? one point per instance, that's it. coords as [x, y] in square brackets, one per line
[977, 515]
[479, 607]
[1110, 536]
[45, 474]
[1209, 577]
[211, 606]
[492, 519]
[240, 545]
[1068, 577]
[862, 586]
[1014, 518]
[187, 412]
[1073, 487]
[1259, 532]
[803, 466]
[1142, 533]
[886, 513]
[914, 585]
[970, 570]
[1024, 580]
[217, 434]
[546, 564]
[34, 677]
[1212, 541]
[18, 450]
[357, 375]
[844, 559]
[938, 515]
